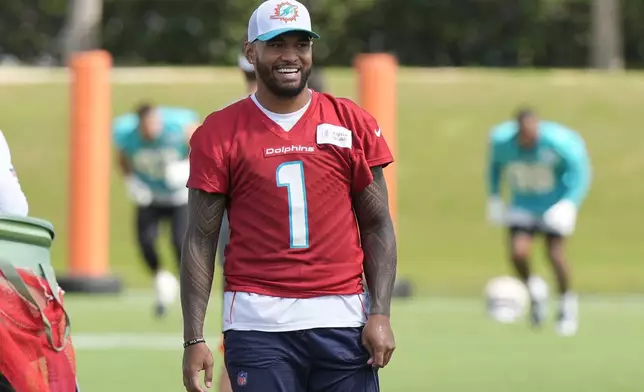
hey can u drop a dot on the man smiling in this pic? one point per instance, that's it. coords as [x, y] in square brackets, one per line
[301, 176]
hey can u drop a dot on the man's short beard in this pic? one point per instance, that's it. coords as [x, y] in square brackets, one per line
[266, 76]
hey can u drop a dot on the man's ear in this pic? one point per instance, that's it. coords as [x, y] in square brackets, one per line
[249, 53]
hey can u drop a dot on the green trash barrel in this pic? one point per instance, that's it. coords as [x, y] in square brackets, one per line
[26, 243]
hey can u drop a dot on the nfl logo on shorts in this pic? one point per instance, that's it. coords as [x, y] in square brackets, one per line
[242, 378]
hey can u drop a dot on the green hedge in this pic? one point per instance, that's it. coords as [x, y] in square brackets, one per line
[534, 33]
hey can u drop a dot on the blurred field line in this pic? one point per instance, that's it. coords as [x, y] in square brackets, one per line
[120, 341]
[136, 297]
[155, 341]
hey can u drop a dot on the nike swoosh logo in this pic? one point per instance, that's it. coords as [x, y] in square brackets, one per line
[378, 132]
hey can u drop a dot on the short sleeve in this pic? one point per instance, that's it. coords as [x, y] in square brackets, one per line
[175, 120]
[5, 153]
[370, 150]
[12, 199]
[186, 116]
[208, 161]
[122, 128]
[492, 150]
[193, 116]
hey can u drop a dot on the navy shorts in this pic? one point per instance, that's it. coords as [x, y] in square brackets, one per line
[314, 360]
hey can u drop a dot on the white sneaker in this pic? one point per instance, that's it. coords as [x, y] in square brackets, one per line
[166, 288]
[568, 318]
[538, 290]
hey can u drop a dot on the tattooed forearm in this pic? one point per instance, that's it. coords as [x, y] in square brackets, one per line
[198, 258]
[378, 242]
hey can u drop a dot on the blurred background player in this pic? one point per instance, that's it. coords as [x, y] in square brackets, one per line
[549, 174]
[153, 156]
[249, 75]
[316, 81]
[12, 198]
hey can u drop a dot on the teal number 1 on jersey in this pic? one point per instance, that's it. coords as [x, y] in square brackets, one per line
[291, 176]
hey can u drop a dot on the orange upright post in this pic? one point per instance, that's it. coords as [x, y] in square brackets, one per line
[88, 268]
[377, 94]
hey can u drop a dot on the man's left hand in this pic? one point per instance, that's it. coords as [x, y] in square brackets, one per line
[378, 339]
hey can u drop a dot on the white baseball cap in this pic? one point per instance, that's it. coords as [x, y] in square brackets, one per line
[275, 17]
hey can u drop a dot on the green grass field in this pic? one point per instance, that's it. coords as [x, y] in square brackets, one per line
[444, 117]
[444, 345]
[445, 342]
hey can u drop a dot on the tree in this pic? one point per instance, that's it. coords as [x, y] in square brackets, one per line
[82, 26]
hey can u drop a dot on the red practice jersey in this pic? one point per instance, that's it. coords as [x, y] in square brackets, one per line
[293, 232]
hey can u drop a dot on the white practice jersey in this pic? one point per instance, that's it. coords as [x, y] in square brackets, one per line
[12, 198]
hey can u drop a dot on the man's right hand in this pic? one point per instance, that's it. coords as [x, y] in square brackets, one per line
[138, 191]
[195, 359]
[378, 339]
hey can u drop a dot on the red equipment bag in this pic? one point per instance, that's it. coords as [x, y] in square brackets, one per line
[36, 352]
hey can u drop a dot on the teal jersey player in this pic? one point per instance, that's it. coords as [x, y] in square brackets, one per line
[556, 168]
[153, 146]
[150, 157]
[547, 168]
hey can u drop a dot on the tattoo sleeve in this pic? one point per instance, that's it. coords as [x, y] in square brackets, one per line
[378, 239]
[198, 258]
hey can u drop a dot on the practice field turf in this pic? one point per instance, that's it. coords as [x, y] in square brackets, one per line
[444, 345]
[444, 116]
[445, 342]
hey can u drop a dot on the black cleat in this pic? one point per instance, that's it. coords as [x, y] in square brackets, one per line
[537, 313]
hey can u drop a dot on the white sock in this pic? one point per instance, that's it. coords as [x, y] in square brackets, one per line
[166, 287]
[569, 304]
[537, 288]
